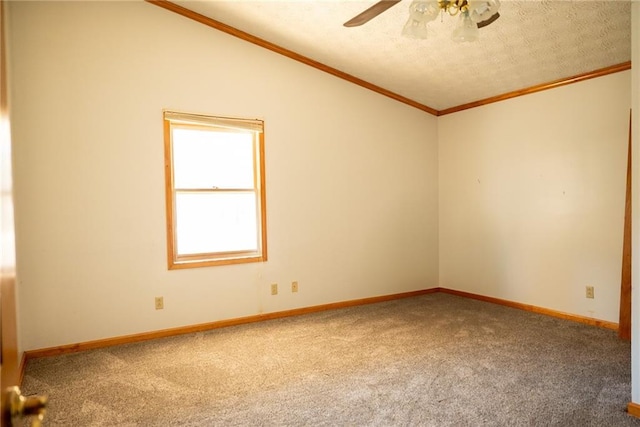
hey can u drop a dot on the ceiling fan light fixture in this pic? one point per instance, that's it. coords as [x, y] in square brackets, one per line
[473, 15]
[478, 13]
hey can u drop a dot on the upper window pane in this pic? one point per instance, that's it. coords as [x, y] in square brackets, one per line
[203, 159]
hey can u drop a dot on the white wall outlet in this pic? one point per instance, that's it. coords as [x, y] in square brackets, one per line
[274, 289]
[159, 303]
[294, 286]
[590, 293]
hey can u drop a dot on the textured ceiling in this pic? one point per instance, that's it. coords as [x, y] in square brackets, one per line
[533, 42]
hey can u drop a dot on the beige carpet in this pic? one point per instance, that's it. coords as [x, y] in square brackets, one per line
[433, 360]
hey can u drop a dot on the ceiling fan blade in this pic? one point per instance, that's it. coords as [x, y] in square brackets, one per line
[489, 21]
[371, 13]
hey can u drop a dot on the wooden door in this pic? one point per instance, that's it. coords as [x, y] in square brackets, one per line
[9, 355]
[13, 406]
[624, 325]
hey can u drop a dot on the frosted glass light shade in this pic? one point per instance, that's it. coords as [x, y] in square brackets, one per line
[415, 29]
[424, 11]
[481, 10]
[466, 30]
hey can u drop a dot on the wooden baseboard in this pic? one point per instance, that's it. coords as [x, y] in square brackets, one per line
[532, 308]
[145, 336]
[22, 368]
[633, 409]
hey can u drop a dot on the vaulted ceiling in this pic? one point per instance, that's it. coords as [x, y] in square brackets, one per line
[532, 43]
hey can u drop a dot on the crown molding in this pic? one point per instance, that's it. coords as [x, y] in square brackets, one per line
[538, 88]
[188, 13]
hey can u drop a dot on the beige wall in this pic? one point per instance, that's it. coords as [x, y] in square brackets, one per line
[351, 175]
[531, 189]
[532, 197]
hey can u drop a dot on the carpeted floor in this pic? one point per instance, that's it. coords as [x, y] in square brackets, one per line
[433, 360]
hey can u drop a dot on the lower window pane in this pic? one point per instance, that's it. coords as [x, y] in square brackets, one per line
[216, 222]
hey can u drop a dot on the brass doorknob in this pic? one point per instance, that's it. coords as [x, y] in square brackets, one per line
[17, 407]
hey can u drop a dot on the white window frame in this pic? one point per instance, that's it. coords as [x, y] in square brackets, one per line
[177, 120]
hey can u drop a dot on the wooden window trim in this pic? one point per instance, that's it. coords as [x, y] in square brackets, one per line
[175, 261]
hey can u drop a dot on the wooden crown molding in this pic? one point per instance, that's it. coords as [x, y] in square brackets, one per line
[538, 88]
[188, 13]
[286, 52]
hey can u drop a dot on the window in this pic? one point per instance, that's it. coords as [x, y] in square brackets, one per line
[215, 190]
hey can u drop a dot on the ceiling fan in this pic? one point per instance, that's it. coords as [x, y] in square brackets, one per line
[474, 14]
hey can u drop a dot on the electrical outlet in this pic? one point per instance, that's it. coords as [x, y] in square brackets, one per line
[159, 303]
[294, 286]
[590, 293]
[274, 289]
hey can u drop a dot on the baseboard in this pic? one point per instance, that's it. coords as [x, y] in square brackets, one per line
[22, 368]
[145, 336]
[633, 409]
[532, 308]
